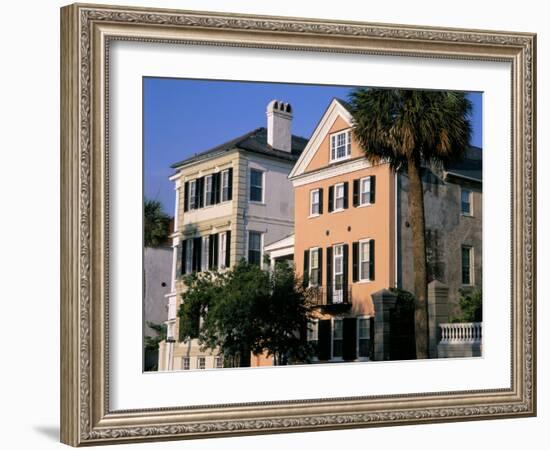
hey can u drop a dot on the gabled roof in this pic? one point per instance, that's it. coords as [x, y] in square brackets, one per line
[337, 107]
[254, 141]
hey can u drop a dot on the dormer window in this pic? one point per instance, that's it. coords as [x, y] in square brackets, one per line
[340, 146]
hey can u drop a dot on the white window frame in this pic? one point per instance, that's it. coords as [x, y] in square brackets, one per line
[261, 246]
[334, 145]
[184, 360]
[311, 251]
[208, 193]
[189, 256]
[361, 191]
[262, 172]
[218, 362]
[225, 185]
[222, 249]
[192, 194]
[332, 330]
[199, 360]
[471, 265]
[311, 203]
[470, 213]
[367, 318]
[364, 277]
[313, 334]
[336, 198]
[205, 243]
[335, 293]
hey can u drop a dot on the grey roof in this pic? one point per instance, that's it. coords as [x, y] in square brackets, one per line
[254, 141]
[471, 167]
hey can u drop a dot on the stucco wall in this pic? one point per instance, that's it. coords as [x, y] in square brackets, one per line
[446, 231]
[157, 264]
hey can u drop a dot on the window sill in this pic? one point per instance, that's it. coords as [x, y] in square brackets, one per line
[466, 214]
[337, 211]
[334, 161]
[256, 202]
[313, 216]
[363, 281]
[365, 205]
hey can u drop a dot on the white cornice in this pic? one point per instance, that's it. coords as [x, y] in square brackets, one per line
[335, 110]
[331, 171]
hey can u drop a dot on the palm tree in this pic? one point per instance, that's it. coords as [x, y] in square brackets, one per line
[156, 227]
[408, 128]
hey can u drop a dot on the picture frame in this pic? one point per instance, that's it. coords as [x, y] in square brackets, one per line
[87, 31]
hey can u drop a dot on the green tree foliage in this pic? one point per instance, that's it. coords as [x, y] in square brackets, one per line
[152, 342]
[471, 303]
[156, 224]
[408, 128]
[244, 310]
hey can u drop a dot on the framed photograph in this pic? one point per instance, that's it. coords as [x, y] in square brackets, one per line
[281, 224]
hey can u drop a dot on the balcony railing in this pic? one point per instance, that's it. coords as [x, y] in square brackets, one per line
[460, 333]
[325, 297]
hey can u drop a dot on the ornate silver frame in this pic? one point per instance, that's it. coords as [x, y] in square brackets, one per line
[86, 31]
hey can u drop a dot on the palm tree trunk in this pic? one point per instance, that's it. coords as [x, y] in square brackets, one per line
[418, 226]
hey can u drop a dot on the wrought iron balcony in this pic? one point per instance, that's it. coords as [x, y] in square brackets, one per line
[329, 298]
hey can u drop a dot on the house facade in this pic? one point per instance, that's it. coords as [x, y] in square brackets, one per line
[231, 202]
[352, 238]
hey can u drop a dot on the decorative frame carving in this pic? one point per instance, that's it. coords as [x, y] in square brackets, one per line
[86, 32]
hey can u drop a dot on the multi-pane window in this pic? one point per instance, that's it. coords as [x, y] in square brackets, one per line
[337, 296]
[222, 248]
[314, 267]
[340, 146]
[339, 196]
[193, 194]
[364, 260]
[365, 195]
[218, 362]
[186, 363]
[208, 190]
[467, 257]
[201, 362]
[363, 337]
[189, 256]
[337, 338]
[256, 185]
[313, 332]
[466, 202]
[255, 247]
[314, 203]
[225, 185]
[205, 252]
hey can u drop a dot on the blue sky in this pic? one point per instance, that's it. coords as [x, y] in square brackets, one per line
[182, 117]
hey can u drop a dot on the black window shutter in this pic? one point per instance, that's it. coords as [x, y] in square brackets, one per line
[184, 245]
[331, 199]
[346, 194]
[180, 259]
[213, 191]
[227, 247]
[186, 196]
[211, 252]
[320, 200]
[230, 183]
[356, 188]
[355, 261]
[324, 340]
[217, 184]
[215, 248]
[372, 188]
[197, 254]
[345, 274]
[371, 259]
[350, 339]
[329, 275]
[320, 250]
[305, 277]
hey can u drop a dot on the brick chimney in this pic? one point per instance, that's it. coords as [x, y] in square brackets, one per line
[279, 125]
